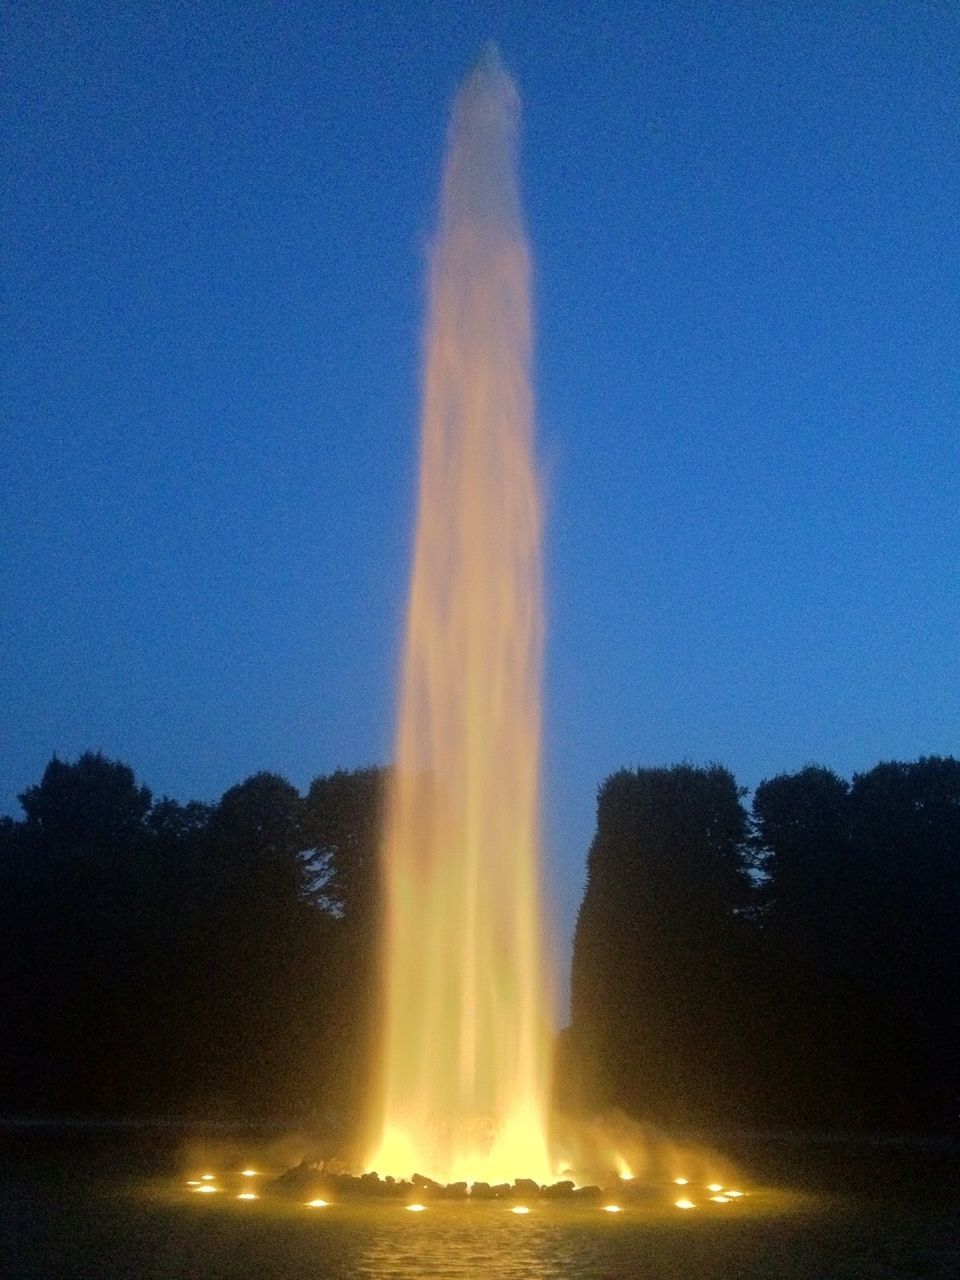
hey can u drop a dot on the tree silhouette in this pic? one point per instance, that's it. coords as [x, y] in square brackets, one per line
[657, 950]
[802, 978]
[343, 823]
[79, 933]
[167, 957]
[94, 804]
[256, 956]
[904, 936]
[860, 945]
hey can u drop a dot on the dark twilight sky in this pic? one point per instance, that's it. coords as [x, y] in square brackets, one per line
[746, 225]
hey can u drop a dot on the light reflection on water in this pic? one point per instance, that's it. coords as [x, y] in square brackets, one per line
[376, 1240]
[493, 1249]
[551, 1242]
[283, 1239]
[73, 1229]
[547, 1244]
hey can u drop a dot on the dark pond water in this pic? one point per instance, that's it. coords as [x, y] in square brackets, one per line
[848, 1217]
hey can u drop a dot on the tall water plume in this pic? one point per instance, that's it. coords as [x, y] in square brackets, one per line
[464, 1076]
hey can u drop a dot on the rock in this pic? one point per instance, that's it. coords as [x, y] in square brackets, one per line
[558, 1190]
[587, 1193]
[526, 1187]
[481, 1191]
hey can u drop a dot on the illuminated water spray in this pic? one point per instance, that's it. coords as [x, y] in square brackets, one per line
[465, 1051]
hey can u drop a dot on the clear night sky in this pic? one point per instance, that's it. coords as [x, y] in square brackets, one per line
[746, 224]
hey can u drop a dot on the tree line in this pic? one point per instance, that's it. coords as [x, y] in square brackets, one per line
[793, 963]
[211, 960]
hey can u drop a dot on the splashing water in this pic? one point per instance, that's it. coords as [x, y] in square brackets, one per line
[464, 1077]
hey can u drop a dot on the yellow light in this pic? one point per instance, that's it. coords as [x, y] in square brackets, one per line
[681, 1182]
[611, 1208]
[519, 1208]
[193, 1183]
[685, 1204]
[207, 1188]
[715, 1186]
[734, 1195]
[316, 1204]
[721, 1199]
[247, 1195]
[249, 1173]
[627, 1177]
[209, 1177]
[416, 1208]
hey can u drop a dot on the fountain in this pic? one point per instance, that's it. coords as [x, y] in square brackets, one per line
[463, 1088]
[461, 1104]
[464, 1070]
[462, 1080]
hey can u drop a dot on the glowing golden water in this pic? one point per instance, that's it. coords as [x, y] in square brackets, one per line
[465, 1051]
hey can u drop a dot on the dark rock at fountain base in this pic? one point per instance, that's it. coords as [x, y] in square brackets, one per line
[587, 1193]
[311, 1179]
[558, 1190]
[299, 1180]
[369, 1184]
[499, 1191]
[527, 1187]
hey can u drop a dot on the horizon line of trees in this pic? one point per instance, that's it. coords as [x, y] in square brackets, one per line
[791, 964]
[209, 959]
[796, 964]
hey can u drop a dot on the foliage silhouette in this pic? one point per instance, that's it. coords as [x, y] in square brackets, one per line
[798, 970]
[167, 957]
[794, 966]
[657, 947]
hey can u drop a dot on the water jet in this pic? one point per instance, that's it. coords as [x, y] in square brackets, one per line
[464, 1070]
[463, 1079]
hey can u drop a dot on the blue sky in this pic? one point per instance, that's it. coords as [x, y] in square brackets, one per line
[746, 232]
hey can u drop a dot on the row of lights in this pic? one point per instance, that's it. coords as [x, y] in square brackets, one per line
[205, 1184]
[720, 1196]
